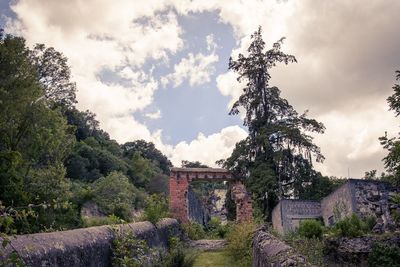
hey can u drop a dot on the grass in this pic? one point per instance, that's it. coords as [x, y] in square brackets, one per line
[217, 258]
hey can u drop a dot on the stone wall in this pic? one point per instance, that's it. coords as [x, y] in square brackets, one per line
[277, 218]
[84, 247]
[372, 198]
[197, 211]
[355, 251]
[270, 251]
[338, 204]
[288, 214]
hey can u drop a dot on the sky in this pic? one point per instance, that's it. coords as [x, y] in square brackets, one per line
[158, 70]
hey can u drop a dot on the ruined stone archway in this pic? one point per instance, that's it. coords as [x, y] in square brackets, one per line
[180, 179]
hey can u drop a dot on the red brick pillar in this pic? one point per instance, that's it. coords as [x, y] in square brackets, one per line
[178, 203]
[244, 208]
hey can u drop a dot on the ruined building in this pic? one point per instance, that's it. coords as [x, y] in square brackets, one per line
[363, 197]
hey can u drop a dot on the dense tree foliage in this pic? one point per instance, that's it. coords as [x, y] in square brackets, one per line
[276, 158]
[392, 145]
[45, 141]
[148, 151]
[35, 139]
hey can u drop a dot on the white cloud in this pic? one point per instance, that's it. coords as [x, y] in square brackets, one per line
[211, 44]
[229, 86]
[351, 142]
[103, 35]
[197, 69]
[344, 71]
[155, 115]
[206, 149]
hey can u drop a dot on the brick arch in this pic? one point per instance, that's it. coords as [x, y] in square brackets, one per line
[180, 179]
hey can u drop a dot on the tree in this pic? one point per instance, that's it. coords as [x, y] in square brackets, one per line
[392, 145]
[116, 195]
[35, 139]
[276, 157]
[148, 151]
[54, 75]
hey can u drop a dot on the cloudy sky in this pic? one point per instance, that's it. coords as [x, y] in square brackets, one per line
[157, 70]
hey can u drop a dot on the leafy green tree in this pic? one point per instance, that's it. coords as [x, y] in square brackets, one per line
[392, 145]
[320, 186]
[276, 157]
[54, 75]
[35, 139]
[116, 195]
[148, 151]
[89, 161]
[141, 170]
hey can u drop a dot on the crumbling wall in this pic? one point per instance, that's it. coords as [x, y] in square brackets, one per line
[270, 251]
[277, 218]
[372, 198]
[244, 208]
[355, 251]
[339, 204]
[294, 211]
[84, 247]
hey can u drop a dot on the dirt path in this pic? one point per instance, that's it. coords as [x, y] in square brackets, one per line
[207, 244]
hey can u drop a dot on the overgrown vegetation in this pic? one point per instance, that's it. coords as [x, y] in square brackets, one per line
[214, 230]
[352, 226]
[178, 255]
[54, 158]
[156, 208]
[384, 255]
[194, 230]
[239, 243]
[311, 229]
[128, 251]
[309, 239]
[311, 247]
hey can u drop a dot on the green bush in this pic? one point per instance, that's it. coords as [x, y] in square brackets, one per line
[312, 248]
[239, 242]
[178, 255]
[115, 195]
[156, 209]
[311, 229]
[383, 255]
[128, 251]
[352, 226]
[215, 228]
[194, 230]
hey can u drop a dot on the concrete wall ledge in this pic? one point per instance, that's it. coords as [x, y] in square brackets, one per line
[84, 247]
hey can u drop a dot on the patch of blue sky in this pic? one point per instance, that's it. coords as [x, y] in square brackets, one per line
[187, 110]
[5, 12]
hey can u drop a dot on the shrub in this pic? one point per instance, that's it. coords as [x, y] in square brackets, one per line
[177, 255]
[239, 242]
[216, 229]
[383, 255]
[312, 248]
[194, 230]
[311, 229]
[352, 226]
[156, 209]
[128, 251]
[115, 195]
